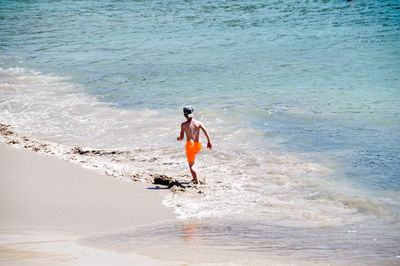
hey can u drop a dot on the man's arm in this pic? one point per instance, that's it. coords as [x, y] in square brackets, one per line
[209, 145]
[182, 134]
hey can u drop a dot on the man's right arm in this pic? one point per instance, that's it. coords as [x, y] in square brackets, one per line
[209, 145]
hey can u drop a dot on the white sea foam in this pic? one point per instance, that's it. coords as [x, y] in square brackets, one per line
[242, 179]
[52, 108]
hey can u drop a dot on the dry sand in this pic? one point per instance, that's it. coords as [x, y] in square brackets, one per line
[46, 204]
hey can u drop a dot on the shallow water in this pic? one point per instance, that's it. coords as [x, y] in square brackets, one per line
[251, 242]
[301, 100]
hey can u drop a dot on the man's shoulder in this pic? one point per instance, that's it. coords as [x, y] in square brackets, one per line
[185, 123]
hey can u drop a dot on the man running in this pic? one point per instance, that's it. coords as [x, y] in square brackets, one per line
[193, 145]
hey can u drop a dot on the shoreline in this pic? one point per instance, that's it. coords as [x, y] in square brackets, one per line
[47, 204]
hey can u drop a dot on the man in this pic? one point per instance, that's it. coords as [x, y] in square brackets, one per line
[193, 145]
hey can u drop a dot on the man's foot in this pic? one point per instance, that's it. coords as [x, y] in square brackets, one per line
[201, 182]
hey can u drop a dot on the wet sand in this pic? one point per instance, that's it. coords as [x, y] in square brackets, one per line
[46, 204]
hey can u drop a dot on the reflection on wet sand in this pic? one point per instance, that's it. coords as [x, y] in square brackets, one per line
[190, 232]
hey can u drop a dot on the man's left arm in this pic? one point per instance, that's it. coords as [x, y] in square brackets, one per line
[182, 135]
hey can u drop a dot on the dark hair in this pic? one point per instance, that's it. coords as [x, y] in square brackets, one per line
[188, 111]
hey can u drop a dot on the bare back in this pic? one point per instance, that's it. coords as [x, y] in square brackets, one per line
[192, 130]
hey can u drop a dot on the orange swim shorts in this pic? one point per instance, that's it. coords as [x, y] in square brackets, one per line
[192, 148]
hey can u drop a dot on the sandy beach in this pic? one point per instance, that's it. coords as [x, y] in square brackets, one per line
[47, 204]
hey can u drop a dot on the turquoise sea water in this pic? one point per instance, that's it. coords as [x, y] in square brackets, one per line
[300, 97]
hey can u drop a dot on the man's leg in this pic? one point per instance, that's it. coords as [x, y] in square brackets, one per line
[193, 171]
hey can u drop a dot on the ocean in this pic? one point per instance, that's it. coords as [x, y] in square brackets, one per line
[301, 100]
